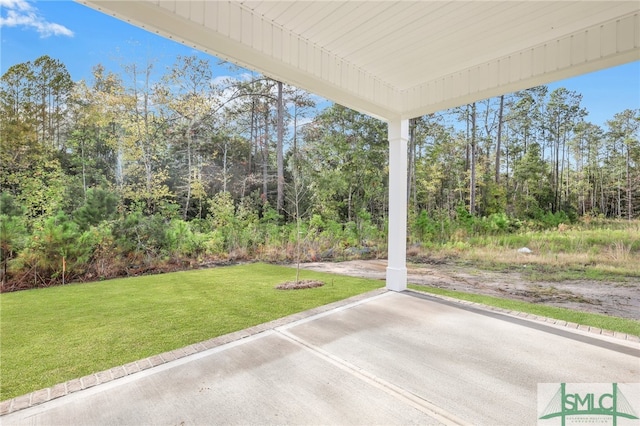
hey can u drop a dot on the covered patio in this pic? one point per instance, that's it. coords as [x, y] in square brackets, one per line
[380, 358]
[396, 60]
[388, 357]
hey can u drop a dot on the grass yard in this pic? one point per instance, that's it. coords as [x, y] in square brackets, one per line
[48, 336]
[605, 322]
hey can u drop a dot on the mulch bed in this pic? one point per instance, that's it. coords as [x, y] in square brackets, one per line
[298, 285]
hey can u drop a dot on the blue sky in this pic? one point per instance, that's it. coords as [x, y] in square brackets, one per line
[82, 38]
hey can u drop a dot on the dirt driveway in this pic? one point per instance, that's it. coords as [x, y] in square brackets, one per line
[610, 298]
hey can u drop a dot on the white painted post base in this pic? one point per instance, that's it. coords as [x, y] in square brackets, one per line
[397, 232]
[396, 279]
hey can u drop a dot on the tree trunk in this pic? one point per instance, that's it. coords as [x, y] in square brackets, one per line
[629, 206]
[188, 200]
[499, 138]
[84, 173]
[472, 183]
[253, 137]
[556, 175]
[224, 167]
[279, 150]
[411, 161]
[562, 181]
[265, 155]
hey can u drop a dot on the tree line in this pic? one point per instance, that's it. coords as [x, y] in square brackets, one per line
[135, 170]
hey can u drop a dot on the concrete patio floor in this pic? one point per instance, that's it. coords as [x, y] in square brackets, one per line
[391, 358]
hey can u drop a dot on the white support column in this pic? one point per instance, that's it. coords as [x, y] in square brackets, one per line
[397, 238]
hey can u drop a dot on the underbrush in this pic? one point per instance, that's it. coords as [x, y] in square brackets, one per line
[57, 251]
[133, 266]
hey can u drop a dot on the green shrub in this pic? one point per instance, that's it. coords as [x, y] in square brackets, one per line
[55, 248]
[142, 235]
[13, 238]
[424, 227]
[99, 205]
[8, 205]
[499, 222]
[104, 254]
[550, 220]
[180, 240]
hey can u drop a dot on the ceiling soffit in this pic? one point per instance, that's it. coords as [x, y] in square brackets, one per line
[400, 59]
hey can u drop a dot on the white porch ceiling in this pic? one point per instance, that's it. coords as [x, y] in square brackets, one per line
[400, 59]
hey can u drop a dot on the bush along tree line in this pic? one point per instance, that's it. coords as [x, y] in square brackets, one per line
[148, 171]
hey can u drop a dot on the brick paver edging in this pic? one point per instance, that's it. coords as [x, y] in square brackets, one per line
[75, 385]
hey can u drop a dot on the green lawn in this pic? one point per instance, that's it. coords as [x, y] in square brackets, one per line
[48, 336]
[623, 325]
[52, 335]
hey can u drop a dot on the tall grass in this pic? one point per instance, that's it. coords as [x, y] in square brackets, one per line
[598, 250]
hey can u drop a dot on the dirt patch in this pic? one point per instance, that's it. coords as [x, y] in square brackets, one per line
[609, 298]
[299, 285]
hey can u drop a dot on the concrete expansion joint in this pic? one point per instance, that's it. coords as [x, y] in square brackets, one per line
[442, 416]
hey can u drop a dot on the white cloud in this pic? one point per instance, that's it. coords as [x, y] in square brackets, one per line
[15, 4]
[223, 80]
[21, 13]
[229, 80]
